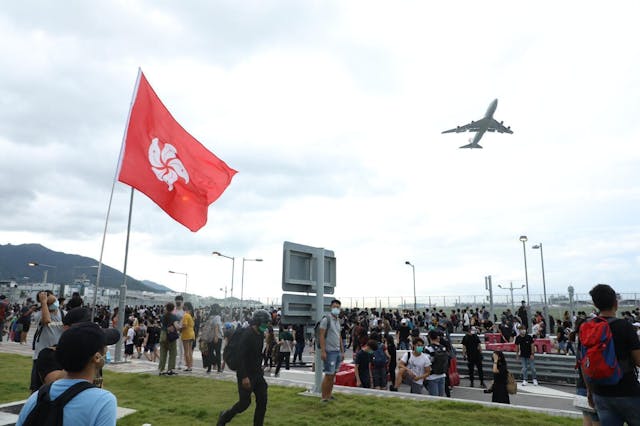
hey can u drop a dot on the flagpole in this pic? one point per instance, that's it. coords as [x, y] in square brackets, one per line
[123, 288]
[113, 186]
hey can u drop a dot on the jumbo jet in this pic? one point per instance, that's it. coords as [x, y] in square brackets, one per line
[485, 124]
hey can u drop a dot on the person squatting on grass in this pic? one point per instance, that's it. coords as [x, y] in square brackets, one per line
[249, 374]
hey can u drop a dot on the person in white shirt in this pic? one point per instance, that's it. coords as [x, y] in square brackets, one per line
[413, 368]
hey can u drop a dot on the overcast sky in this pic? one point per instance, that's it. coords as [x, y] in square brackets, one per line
[332, 114]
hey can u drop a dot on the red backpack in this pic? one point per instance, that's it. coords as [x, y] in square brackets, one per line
[598, 353]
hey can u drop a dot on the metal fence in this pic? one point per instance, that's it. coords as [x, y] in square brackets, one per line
[581, 301]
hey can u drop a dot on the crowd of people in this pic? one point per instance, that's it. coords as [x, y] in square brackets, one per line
[168, 334]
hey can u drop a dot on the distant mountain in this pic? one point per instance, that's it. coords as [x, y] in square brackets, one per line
[157, 287]
[14, 264]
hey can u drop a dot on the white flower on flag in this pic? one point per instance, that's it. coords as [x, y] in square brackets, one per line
[165, 163]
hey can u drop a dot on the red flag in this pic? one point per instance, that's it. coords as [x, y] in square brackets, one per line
[163, 161]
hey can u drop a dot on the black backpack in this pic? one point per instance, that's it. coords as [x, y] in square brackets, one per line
[317, 331]
[50, 413]
[440, 359]
[231, 353]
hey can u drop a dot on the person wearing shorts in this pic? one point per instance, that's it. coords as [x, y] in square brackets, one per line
[413, 368]
[331, 348]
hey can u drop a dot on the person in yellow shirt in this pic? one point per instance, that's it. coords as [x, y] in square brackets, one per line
[188, 335]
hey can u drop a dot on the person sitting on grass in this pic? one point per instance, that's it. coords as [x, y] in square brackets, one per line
[363, 364]
[413, 368]
[81, 353]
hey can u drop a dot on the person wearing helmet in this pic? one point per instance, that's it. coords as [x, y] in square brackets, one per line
[249, 373]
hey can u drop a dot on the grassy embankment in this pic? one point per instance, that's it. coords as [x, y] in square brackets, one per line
[195, 401]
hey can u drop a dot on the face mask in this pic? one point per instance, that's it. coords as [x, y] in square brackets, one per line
[335, 311]
[54, 306]
[419, 349]
[473, 332]
[262, 328]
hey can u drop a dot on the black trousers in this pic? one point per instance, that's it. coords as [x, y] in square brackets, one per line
[217, 354]
[284, 356]
[475, 362]
[259, 388]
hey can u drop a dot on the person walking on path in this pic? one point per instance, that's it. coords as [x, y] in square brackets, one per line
[249, 373]
[472, 352]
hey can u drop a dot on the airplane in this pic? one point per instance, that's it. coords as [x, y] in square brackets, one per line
[485, 124]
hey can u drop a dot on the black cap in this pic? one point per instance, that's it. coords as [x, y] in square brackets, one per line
[80, 342]
[77, 315]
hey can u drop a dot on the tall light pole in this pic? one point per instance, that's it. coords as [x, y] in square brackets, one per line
[511, 288]
[45, 273]
[233, 265]
[186, 279]
[242, 280]
[524, 239]
[415, 300]
[545, 308]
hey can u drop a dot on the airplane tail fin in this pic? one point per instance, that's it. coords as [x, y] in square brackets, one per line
[471, 146]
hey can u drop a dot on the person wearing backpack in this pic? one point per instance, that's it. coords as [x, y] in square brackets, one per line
[74, 399]
[379, 364]
[247, 354]
[331, 349]
[609, 355]
[439, 357]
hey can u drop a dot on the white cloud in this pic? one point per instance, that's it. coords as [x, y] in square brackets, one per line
[332, 114]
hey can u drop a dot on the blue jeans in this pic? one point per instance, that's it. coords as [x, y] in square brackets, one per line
[403, 346]
[528, 362]
[615, 410]
[435, 387]
[332, 364]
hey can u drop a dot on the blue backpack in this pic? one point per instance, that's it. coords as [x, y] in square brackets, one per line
[379, 357]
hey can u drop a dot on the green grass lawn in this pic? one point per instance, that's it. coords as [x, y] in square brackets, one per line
[185, 400]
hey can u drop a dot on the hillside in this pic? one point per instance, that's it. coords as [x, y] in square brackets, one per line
[14, 261]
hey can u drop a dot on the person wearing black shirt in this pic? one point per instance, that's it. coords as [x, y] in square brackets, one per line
[617, 403]
[472, 352]
[249, 374]
[403, 335]
[524, 351]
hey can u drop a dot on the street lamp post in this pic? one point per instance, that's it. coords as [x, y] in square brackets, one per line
[233, 265]
[415, 300]
[545, 308]
[511, 288]
[524, 239]
[186, 279]
[242, 280]
[45, 273]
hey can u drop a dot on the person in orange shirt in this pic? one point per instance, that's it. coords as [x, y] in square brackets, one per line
[188, 335]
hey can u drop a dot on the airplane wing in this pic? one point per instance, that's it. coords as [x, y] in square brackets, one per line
[474, 126]
[497, 126]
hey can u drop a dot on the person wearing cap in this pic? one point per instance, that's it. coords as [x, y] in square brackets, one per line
[249, 373]
[47, 367]
[81, 353]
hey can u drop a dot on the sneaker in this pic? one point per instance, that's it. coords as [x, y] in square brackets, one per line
[524, 383]
[535, 382]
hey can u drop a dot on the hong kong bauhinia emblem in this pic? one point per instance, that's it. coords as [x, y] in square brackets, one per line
[165, 163]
